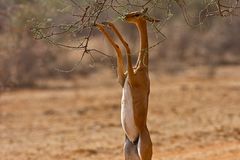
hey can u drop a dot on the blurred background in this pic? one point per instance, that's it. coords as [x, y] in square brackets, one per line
[56, 105]
[24, 60]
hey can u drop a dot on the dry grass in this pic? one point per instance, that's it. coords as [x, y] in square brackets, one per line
[190, 118]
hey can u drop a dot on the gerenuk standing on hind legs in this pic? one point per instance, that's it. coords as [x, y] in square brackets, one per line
[136, 88]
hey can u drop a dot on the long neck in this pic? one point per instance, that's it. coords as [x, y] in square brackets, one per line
[143, 54]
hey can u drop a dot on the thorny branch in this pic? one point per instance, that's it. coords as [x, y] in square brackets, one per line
[211, 8]
[86, 16]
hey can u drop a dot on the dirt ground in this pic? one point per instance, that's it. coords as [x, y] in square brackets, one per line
[191, 117]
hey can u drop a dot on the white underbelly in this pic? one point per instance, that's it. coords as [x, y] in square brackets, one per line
[127, 117]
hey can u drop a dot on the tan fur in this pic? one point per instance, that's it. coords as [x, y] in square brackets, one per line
[138, 79]
[127, 115]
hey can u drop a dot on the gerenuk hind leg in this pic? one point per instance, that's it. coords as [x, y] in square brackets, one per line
[144, 145]
[141, 149]
[130, 150]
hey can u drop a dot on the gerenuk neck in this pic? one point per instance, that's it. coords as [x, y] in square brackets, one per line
[142, 29]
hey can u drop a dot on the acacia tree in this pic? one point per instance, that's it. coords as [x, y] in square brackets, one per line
[85, 14]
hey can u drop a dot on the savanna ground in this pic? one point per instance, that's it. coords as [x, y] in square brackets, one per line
[191, 117]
